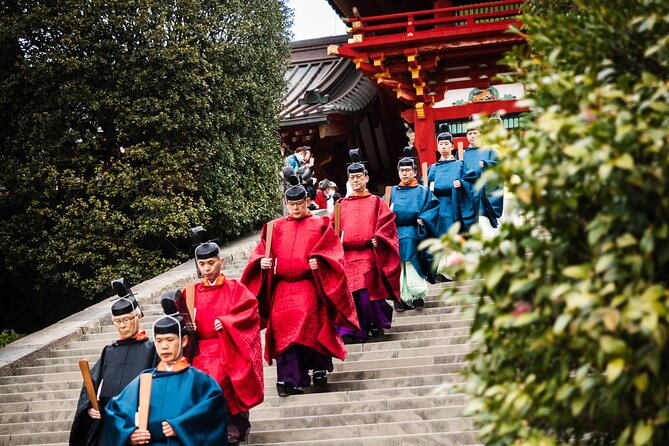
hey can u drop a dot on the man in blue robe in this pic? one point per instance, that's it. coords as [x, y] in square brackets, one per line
[453, 184]
[187, 406]
[490, 200]
[416, 216]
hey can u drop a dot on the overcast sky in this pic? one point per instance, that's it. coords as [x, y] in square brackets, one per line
[314, 18]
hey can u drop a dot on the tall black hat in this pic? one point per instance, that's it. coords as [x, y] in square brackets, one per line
[207, 250]
[296, 191]
[169, 302]
[126, 302]
[444, 134]
[357, 165]
[170, 325]
[204, 248]
[407, 160]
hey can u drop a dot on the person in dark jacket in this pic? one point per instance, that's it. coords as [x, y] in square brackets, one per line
[119, 363]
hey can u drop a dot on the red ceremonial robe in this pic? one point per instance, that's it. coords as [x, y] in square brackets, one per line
[232, 356]
[375, 269]
[297, 304]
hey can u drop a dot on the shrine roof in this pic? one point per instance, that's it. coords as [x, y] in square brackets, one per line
[320, 84]
[378, 7]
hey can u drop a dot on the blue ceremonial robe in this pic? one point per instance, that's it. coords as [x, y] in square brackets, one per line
[490, 201]
[409, 204]
[189, 400]
[455, 204]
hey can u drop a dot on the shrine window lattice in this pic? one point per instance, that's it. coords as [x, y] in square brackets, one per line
[458, 127]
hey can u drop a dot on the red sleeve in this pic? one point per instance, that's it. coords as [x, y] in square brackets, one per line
[257, 281]
[240, 346]
[331, 277]
[388, 250]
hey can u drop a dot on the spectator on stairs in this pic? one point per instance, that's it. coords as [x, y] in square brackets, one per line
[119, 363]
[302, 292]
[322, 194]
[371, 249]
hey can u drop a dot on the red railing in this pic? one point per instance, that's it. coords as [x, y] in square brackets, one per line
[415, 21]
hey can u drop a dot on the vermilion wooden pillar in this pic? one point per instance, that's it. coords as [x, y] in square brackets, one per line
[425, 139]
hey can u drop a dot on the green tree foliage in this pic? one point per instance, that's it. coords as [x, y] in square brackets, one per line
[572, 334]
[123, 124]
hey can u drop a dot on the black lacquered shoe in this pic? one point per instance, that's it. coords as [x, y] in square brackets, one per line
[320, 379]
[284, 389]
[418, 303]
[376, 332]
[348, 339]
[401, 306]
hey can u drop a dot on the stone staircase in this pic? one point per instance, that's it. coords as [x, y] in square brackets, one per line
[400, 390]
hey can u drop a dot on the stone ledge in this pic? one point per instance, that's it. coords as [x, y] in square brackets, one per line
[23, 352]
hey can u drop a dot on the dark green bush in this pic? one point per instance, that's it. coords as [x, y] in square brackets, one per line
[122, 125]
[572, 337]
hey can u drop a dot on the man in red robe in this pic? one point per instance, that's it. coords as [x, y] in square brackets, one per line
[228, 339]
[371, 248]
[302, 292]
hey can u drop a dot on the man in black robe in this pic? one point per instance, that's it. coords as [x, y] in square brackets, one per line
[119, 363]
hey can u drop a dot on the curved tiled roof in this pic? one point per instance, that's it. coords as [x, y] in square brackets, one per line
[320, 85]
[378, 7]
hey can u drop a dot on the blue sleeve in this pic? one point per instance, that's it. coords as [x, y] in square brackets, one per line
[429, 212]
[491, 159]
[465, 200]
[206, 421]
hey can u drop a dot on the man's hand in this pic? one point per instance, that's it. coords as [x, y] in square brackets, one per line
[313, 264]
[420, 221]
[266, 263]
[218, 325]
[481, 164]
[140, 436]
[95, 414]
[457, 184]
[374, 242]
[168, 430]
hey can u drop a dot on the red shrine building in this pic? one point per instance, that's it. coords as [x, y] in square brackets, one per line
[406, 66]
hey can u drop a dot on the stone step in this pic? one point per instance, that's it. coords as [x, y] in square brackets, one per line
[313, 399]
[38, 416]
[402, 327]
[40, 387]
[41, 438]
[354, 407]
[27, 428]
[40, 405]
[44, 378]
[17, 397]
[426, 439]
[385, 416]
[446, 427]
[385, 343]
[68, 360]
